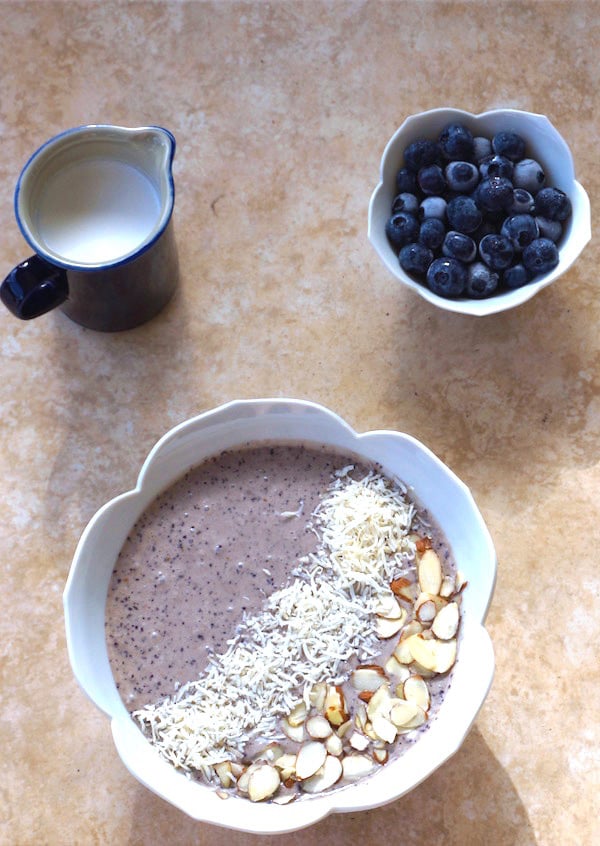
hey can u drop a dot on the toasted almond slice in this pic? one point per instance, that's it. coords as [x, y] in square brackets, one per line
[393, 667]
[310, 758]
[402, 712]
[370, 732]
[385, 628]
[404, 589]
[286, 764]
[342, 731]
[334, 745]
[317, 695]
[222, 794]
[421, 544]
[357, 766]
[358, 741]
[426, 611]
[318, 727]
[269, 753]
[295, 733]
[388, 607]
[223, 770]
[367, 677]
[461, 581]
[445, 623]
[335, 706]
[419, 670]
[297, 715]
[436, 655]
[414, 627]
[384, 728]
[237, 769]
[379, 702]
[284, 798]
[429, 571]
[328, 775]
[448, 586]
[415, 690]
[416, 721]
[381, 755]
[402, 652]
[263, 782]
[242, 782]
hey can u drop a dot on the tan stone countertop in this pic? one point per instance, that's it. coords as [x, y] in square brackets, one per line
[281, 111]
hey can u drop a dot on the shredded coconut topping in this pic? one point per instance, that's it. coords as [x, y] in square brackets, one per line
[306, 633]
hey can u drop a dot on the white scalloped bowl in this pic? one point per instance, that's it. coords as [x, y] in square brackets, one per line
[544, 143]
[272, 420]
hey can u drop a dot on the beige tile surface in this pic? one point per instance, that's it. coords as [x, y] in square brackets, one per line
[281, 111]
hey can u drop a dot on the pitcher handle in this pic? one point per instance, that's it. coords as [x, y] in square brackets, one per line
[34, 287]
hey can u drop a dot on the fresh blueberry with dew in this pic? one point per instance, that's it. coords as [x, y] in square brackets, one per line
[496, 166]
[421, 153]
[494, 193]
[553, 204]
[528, 174]
[406, 181]
[432, 233]
[459, 246]
[447, 277]
[405, 202]
[541, 256]
[461, 176]
[432, 207]
[549, 228]
[521, 230]
[415, 258]
[431, 180]
[456, 142]
[401, 229]
[516, 276]
[463, 214]
[496, 251]
[482, 148]
[482, 281]
[522, 202]
[509, 144]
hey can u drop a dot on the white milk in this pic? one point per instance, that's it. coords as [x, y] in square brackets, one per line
[97, 211]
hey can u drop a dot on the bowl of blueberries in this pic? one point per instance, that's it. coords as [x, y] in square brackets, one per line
[477, 213]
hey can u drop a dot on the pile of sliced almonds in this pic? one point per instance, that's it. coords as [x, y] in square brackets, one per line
[335, 743]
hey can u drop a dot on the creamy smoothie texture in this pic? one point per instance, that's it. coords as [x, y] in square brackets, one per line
[273, 603]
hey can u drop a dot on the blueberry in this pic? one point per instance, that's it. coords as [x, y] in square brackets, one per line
[494, 193]
[401, 229]
[496, 166]
[432, 233]
[487, 227]
[461, 176]
[459, 246]
[540, 256]
[549, 228]
[447, 277]
[431, 180]
[529, 175]
[421, 153]
[405, 202]
[432, 207]
[516, 276]
[406, 181]
[553, 204]
[521, 230]
[522, 202]
[463, 214]
[482, 147]
[481, 281]
[496, 251]
[509, 144]
[456, 142]
[415, 258]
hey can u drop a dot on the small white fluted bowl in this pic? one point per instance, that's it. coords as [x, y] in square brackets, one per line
[544, 144]
[272, 420]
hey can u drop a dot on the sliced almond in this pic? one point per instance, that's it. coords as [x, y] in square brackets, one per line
[224, 771]
[365, 695]
[328, 775]
[404, 589]
[388, 607]
[461, 581]
[426, 611]
[448, 586]
[402, 712]
[379, 702]
[335, 706]
[429, 571]
[317, 695]
[342, 731]
[415, 690]
[284, 798]
[381, 755]
[318, 727]
[263, 782]
[286, 764]
[310, 758]
[269, 753]
[384, 728]
[242, 782]
[421, 544]
[436, 655]
[418, 720]
[295, 733]
[419, 670]
[334, 745]
[357, 766]
[402, 652]
[297, 715]
[358, 741]
[386, 628]
[445, 624]
[367, 677]
[394, 668]
[414, 627]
